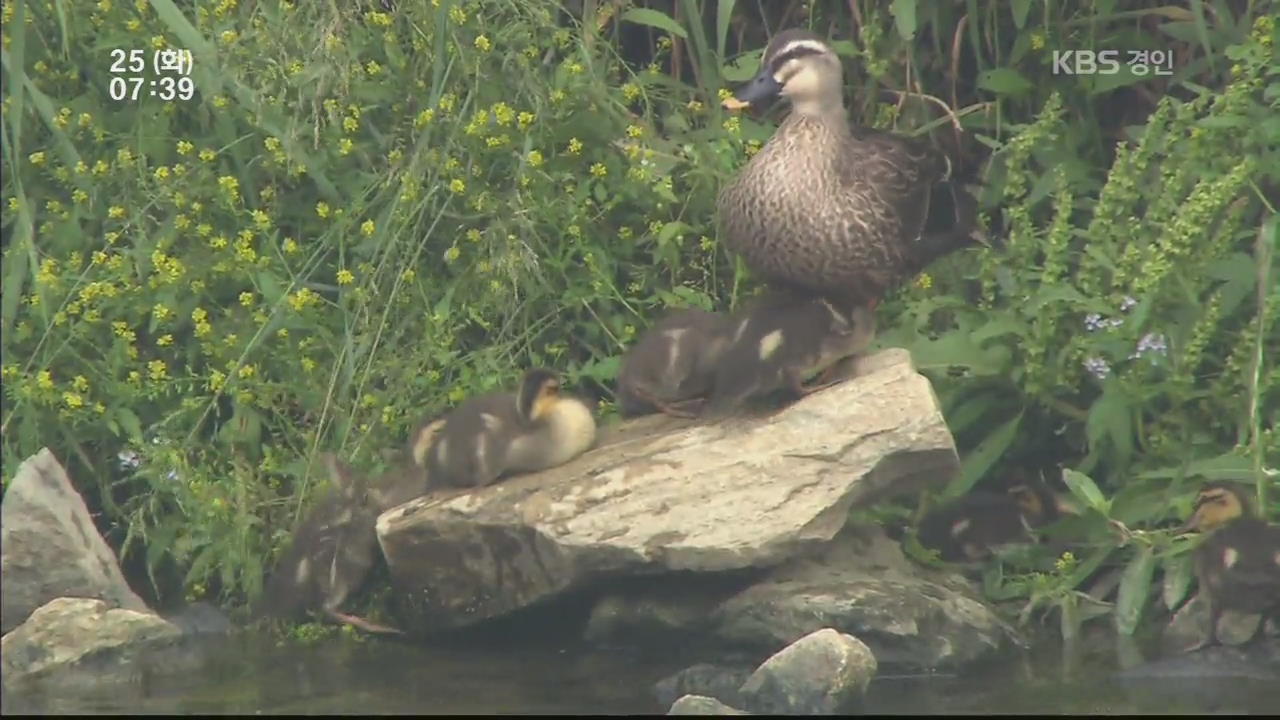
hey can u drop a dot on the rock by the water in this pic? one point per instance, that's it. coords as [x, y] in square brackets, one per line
[680, 605]
[748, 492]
[699, 705]
[201, 618]
[49, 547]
[911, 617]
[704, 679]
[1190, 624]
[83, 644]
[819, 674]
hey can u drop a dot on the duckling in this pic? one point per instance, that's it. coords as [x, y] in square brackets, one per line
[330, 555]
[829, 209]
[671, 366]
[780, 341]
[969, 528]
[1238, 562]
[487, 436]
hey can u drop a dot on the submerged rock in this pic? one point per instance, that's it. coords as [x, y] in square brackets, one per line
[49, 547]
[721, 682]
[911, 617]
[83, 644]
[699, 705]
[819, 674]
[751, 492]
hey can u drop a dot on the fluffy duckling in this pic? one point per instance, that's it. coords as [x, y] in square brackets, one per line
[533, 429]
[672, 365]
[779, 342]
[1238, 563]
[330, 555]
[968, 529]
[830, 209]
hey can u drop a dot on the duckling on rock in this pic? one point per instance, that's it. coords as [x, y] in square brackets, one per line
[780, 341]
[672, 364]
[1238, 562]
[533, 429]
[330, 555]
[829, 209]
[968, 529]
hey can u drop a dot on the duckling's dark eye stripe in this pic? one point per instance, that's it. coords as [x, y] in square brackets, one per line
[792, 54]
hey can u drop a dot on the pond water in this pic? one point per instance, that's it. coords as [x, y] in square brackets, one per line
[342, 675]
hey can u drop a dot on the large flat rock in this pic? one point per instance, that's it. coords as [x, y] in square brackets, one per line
[660, 495]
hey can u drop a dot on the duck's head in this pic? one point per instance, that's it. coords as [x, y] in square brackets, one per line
[423, 438]
[1217, 504]
[799, 66]
[539, 392]
[1028, 501]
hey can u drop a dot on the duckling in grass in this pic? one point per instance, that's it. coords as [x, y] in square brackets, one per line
[671, 366]
[967, 529]
[533, 429]
[782, 340]
[829, 209]
[330, 556]
[1238, 562]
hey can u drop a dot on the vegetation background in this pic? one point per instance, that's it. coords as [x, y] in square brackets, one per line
[370, 211]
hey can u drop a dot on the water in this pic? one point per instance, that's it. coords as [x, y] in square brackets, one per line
[340, 675]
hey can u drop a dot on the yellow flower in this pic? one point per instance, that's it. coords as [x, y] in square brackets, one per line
[423, 118]
[290, 246]
[345, 277]
[483, 44]
[44, 380]
[246, 371]
[924, 281]
[350, 124]
[162, 173]
[208, 155]
[344, 146]
[322, 209]
[575, 146]
[246, 299]
[635, 131]
[525, 119]
[185, 148]
[36, 158]
[217, 380]
[599, 170]
[157, 370]
[161, 312]
[72, 400]
[303, 298]
[451, 254]
[457, 186]
[535, 158]
[367, 227]
[630, 92]
[164, 340]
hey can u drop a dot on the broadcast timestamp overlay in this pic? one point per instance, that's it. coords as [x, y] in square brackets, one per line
[169, 77]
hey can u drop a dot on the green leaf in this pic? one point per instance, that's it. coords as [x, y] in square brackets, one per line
[904, 16]
[742, 68]
[1020, 10]
[1003, 81]
[655, 18]
[1135, 586]
[129, 421]
[1110, 418]
[1228, 466]
[979, 461]
[1177, 580]
[1085, 490]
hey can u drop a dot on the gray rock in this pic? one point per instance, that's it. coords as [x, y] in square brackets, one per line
[676, 607]
[201, 618]
[721, 682]
[820, 674]
[699, 705]
[911, 617]
[749, 492]
[1190, 624]
[49, 547]
[82, 644]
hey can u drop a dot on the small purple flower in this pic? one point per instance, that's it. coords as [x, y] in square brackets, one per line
[129, 460]
[1093, 321]
[1097, 367]
[1151, 343]
[1127, 304]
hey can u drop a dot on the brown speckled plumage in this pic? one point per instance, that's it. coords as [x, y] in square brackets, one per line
[832, 209]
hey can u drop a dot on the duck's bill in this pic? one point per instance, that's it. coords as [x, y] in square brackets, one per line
[759, 90]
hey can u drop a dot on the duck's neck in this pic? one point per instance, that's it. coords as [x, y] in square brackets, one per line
[827, 110]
